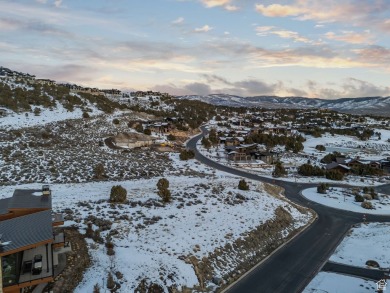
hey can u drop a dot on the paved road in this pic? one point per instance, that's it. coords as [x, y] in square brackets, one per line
[292, 267]
[372, 274]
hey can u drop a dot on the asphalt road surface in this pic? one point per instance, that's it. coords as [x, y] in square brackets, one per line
[293, 266]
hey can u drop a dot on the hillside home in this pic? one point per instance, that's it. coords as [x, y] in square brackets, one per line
[266, 157]
[133, 140]
[45, 81]
[339, 167]
[27, 239]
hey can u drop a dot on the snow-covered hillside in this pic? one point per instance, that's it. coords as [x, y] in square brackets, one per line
[369, 105]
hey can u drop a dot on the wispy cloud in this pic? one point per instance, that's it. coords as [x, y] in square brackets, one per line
[352, 12]
[285, 34]
[351, 37]
[204, 29]
[179, 20]
[57, 3]
[277, 10]
[214, 3]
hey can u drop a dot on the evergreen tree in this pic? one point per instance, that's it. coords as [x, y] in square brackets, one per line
[279, 170]
[243, 185]
[163, 191]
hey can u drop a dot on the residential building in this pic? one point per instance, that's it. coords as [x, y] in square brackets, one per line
[28, 239]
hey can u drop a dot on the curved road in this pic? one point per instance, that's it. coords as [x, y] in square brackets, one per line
[293, 266]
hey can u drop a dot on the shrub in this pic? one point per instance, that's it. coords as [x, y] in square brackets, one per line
[110, 281]
[147, 131]
[373, 194]
[334, 175]
[310, 170]
[367, 205]
[115, 121]
[206, 143]
[279, 170]
[186, 155]
[322, 188]
[213, 137]
[320, 148]
[86, 115]
[367, 196]
[118, 194]
[171, 137]
[37, 111]
[99, 171]
[243, 185]
[110, 247]
[359, 198]
[163, 191]
[139, 127]
[329, 158]
[96, 288]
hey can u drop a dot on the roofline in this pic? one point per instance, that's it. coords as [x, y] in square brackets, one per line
[23, 248]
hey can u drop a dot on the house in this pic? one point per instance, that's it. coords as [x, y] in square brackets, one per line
[355, 163]
[339, 167]
[232, 141]
[28, 240]
[133, 140]
[45, 81]
[266, 157]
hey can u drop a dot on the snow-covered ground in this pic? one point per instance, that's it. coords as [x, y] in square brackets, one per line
[350, 145]
[153, 239]
[342, 198]
[369, 241]
[326, 282]
[27, 119]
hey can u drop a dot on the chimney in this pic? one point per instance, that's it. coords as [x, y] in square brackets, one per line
[46, 190]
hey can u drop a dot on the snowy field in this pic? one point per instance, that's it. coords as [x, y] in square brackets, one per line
[370, 150]
[153, 240]
[28, 119]
[343, 199]
[335, 283]
[369, 241]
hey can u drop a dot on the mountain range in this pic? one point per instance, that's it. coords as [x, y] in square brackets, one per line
[367, 105]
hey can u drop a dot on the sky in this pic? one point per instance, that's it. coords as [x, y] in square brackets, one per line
[313, 48]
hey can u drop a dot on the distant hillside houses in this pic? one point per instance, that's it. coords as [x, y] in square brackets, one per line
[15, 75]
[8, 74]
[133, 140]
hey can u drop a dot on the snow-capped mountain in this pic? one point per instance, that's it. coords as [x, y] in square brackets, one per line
[367, 105]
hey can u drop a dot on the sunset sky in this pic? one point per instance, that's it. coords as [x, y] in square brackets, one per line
[317, 48]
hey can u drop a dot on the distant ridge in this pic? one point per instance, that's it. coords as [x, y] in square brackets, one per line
[364, 105]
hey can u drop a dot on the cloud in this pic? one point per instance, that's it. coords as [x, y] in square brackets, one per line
[198, 88]
[374, 55]
[247, 87]
[214, 3]
[179, 20]
[277, 10]
[285, 34]
[231, 8]
[351, 37]
[57, 3]
[204, 29]
[348, 88]
[351, 12]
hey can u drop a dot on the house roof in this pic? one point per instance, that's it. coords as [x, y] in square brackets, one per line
[335, 165]
[31, 229]
[25, 199]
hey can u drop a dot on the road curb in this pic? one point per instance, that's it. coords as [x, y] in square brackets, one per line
[308, 225]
